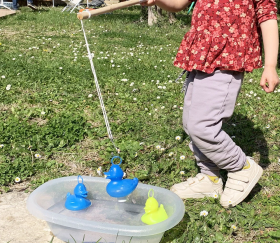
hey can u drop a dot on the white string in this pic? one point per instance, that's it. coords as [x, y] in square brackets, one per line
[98, 91]
[89, 14]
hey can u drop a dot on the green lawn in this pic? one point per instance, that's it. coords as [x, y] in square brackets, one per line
[52, 125]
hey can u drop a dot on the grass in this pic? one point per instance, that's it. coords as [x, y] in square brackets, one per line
[51, 126]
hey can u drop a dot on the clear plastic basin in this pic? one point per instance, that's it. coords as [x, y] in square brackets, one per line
[106, 220]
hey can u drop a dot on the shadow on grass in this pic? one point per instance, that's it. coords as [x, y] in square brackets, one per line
[248, 137]
[176, 232]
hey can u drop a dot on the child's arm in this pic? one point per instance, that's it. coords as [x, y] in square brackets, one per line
[266, 12]
[169, 5]
[270, 78]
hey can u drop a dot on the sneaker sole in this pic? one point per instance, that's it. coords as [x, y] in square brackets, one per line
[200, 195]
[248, 190]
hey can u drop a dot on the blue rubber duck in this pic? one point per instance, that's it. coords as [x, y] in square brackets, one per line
[77, 201]
[119, 187]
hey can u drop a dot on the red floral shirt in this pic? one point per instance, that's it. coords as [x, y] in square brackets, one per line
[225, 34]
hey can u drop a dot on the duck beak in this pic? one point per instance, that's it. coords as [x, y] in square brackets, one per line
[147, 209]
[107, 174]
[84, 194]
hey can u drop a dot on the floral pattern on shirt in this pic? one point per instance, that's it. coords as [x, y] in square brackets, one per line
[225, 35]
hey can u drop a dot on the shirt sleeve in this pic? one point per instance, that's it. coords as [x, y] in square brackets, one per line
[265, 10]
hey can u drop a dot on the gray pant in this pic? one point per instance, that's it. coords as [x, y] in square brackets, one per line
[209, 99]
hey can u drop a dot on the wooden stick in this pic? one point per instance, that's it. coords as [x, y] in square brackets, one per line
[89, 14]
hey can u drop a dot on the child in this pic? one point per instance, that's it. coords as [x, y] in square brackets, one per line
[222, 44]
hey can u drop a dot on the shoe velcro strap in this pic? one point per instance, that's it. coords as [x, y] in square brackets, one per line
[200, 177]
[190, 180]
[234, 187]
[238, 177]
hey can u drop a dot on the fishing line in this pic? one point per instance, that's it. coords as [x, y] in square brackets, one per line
[99, 92]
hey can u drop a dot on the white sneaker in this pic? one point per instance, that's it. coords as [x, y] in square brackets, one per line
[241, 183]
[198, 187]
[30, 5]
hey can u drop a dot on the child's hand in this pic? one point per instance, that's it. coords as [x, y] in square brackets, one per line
[148, 3]
[269, 80]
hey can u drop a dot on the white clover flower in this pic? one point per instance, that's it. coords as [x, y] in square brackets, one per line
[155, 109]
[17, 179]
[99, 170]
[43, 113]
[160, 87]
[112, 61]
[170, 154]
[150, 114]
[238, 103]
[251, 92]
[1, 145]
[146, 109]
[90, 95]
[162, 107]
[60, 67]
[8, 87]
[182, 172]
[233, 227]
[158, 97]
[132, 84]
[124, 79]
[3, 76]
[164, 87]
[13, 59]
[170, 81]
[116, 93]
[203, 213]
[134, 98]
[38, 156]
[143, 84]
[158, 147]
[174, 106]
[181, 108]
[162, 149]
[250, 80]
[255, 94]
[182, 157]
[142, 143]
[259, 98]
[178, 138]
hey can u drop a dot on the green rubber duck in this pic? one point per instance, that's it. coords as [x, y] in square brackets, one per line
[153, 213]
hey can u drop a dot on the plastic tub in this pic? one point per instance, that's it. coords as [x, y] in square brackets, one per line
[106, 220]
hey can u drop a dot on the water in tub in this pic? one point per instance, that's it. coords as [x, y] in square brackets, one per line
[115, 211]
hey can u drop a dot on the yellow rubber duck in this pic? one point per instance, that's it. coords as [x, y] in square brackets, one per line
[153, 213]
